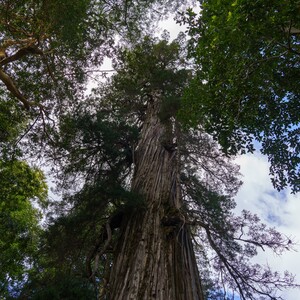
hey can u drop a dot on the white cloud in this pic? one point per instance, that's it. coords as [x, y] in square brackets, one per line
[277, 209]
[172, 27]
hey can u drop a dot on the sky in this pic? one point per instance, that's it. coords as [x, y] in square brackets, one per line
[276, 209]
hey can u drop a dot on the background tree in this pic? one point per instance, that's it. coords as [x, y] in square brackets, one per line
[245, 86]
[19, 221]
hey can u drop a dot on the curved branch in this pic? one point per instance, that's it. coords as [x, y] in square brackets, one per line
[31, 49]
[105, 247]
[238, 277]
[224, 260]
[9, 83]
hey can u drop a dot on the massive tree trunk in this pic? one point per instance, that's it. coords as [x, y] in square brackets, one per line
[154, 257]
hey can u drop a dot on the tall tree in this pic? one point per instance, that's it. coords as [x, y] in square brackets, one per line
[245, 88]
[147, 188]
[155, 258]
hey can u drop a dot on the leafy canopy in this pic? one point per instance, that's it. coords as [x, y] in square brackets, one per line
[19, 219]
[49, 49]
[246, 81]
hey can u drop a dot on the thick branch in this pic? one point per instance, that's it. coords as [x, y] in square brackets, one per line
[29, 48]
[13, 89]
[21, 53]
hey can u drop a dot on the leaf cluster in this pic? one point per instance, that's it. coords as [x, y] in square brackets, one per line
[245, 87]
[19, 219]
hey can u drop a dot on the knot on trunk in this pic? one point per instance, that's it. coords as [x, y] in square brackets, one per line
[171, 220]
[170, 146]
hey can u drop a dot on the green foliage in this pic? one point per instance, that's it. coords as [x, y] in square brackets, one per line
[65, 40]
[152, 65]
[245, 87]
[12, 121]
[59, 286]
[214, 208]
[66, 19]
[169, 108]
[96, 145]
[19, 227]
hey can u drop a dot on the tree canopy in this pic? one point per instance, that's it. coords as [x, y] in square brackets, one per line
[49, 49]
[245, 87]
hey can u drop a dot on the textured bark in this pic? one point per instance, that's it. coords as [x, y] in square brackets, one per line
[154, 257]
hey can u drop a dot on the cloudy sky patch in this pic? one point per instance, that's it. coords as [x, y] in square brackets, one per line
[276, 209]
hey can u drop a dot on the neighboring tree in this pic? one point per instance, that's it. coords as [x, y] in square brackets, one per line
[44, 49]
[246, 84]
[144, 189]
[19, 221]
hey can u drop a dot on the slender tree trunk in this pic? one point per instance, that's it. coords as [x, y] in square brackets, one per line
[155, 258]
